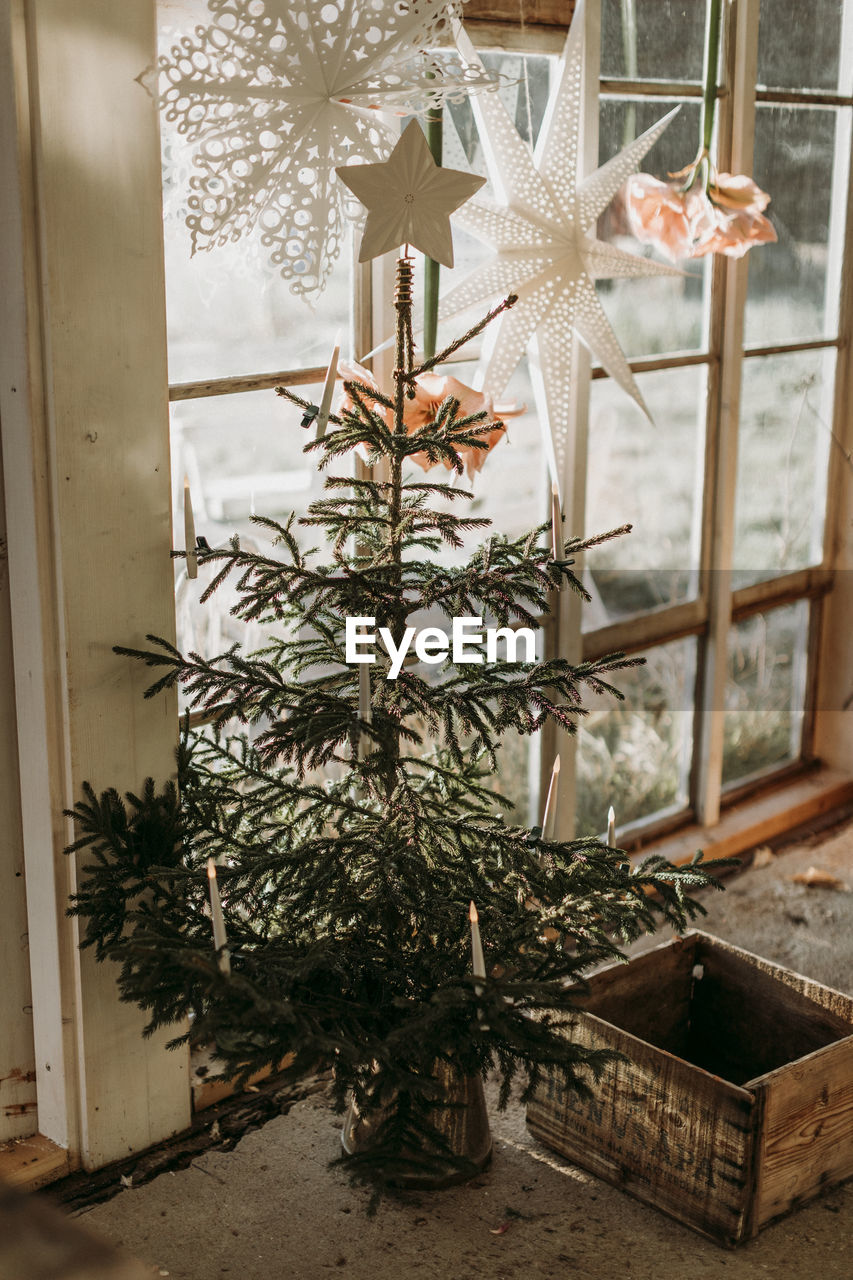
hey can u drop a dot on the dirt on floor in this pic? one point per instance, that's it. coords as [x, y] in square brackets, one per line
[272, 1209]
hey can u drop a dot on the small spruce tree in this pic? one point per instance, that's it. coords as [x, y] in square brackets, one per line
[347, 874]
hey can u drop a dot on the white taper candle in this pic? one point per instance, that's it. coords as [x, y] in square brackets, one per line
[549, 818]
[478, 960]
[220, 938]
[365, 712]
[556, 524]
[189, 532]
[328, 390]
[611, 827]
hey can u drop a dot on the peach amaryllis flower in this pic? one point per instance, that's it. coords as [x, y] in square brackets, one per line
[662, 214]
[739, 221]
[431, 390]
[698, 212]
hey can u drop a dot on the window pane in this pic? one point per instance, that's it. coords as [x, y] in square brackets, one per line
[241, 454]
[785, 436]
[636, 754]
[228, 310]
[793, 283]
[652, 39]
[765, 691]
[800, 49]
[632, 465]
[664, 313]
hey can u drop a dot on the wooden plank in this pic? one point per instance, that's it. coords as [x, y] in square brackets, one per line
[749, 1017]
[649, 997]
[32, 1162]
[837, 1007]
[246, 382]
[807, 1143]
[833, 724]
[549, 13]
[736, 128]
[667, 1132]
[759, 820]
[102, 492]
[206, 1093]
[36, 1241]
[17, 1050]
[35, 612]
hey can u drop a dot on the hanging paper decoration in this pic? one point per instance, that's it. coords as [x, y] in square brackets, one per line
[543, 230]
[409, 199]
[274, 94]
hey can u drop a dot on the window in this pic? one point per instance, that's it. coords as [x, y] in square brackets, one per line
[720, 585]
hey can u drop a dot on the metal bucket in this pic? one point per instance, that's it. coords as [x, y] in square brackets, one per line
[463, 1124]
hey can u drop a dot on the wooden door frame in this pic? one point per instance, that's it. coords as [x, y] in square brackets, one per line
[84, 410]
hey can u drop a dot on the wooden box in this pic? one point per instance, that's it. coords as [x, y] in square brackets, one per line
[735, 1101]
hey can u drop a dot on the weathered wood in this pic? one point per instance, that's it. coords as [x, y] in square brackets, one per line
[760, 819]
[29, 1163]
[807, 1131]
[753, 1115]
[749, 1017]
[17, 1051]
[546, 13]
[246, 382]
[88, 507]
[650, 997]
[661, 1129]
[38, 1242]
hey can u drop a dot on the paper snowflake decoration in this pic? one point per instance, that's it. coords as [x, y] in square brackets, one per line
[543, 230]
[274, 94]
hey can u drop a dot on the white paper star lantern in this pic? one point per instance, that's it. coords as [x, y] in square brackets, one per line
[274, 94]
[409, 199]
[543, 231]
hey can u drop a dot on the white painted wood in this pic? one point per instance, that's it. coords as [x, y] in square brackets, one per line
[36, 648]
[833, 721]
[17, 1053]
[568, 607]
[88, 507]
[739, 118]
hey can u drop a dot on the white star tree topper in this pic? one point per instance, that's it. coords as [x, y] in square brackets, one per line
[274, 94]
[409, 199]
[543, 231]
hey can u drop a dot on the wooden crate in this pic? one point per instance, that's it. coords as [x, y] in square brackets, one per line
[735, 1101]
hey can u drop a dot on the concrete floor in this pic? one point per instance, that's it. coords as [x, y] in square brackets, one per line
[271, 1209]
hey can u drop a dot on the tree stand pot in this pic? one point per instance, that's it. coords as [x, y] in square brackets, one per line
[463, 1123]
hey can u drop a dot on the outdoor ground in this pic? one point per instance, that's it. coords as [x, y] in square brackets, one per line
[271, 1209]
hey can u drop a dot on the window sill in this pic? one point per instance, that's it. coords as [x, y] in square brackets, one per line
[30, 1163]
[759, 819]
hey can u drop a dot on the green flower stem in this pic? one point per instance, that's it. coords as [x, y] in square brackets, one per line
[712, 60]
[432, 270]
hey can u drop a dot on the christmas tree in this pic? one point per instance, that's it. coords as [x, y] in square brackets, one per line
[349, 812]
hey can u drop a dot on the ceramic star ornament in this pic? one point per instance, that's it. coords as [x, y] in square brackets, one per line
[542, 226]
[273, 95]
[409, 199]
